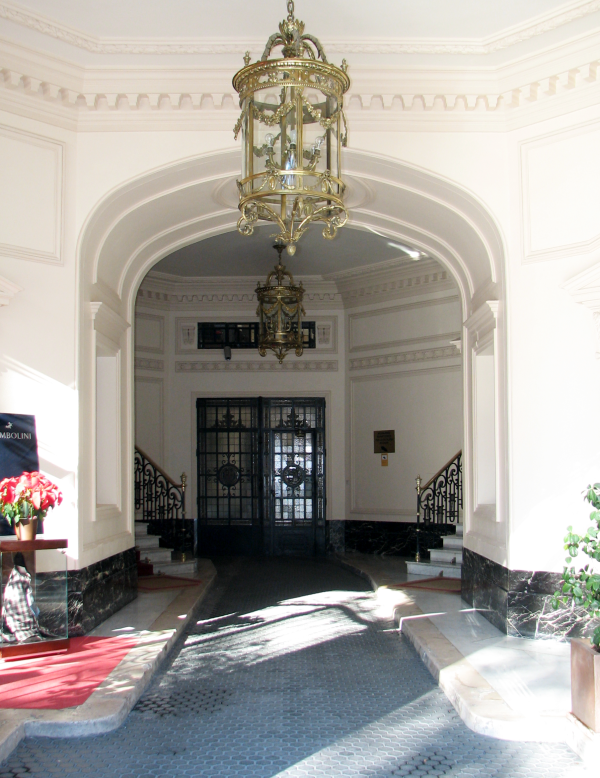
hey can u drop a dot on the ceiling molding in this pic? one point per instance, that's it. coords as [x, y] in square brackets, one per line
[404, 357]
[319, 365]
[556, 93]
[158, 46]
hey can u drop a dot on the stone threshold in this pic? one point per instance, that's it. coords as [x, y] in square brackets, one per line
[476, 701]
[109, 705]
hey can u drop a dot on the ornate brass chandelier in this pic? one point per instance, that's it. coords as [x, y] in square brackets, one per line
[293, 128]
[280, 312]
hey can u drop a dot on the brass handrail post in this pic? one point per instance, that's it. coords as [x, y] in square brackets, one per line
[418, 488]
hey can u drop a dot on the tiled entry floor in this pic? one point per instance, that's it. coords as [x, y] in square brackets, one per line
[288, 670]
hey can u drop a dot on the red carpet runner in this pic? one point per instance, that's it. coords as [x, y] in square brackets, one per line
[61, 680]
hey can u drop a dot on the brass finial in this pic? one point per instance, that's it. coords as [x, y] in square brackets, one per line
[344, 66]
[247, 58]
[183, 481]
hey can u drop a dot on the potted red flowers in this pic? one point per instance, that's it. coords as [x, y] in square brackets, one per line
[26, 498]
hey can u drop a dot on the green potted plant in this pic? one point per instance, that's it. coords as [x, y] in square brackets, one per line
[581, 587]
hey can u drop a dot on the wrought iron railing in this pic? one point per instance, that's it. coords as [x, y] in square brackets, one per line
[161, 502]
[441, 499]
[157, 496]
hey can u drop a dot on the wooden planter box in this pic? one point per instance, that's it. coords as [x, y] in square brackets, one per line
[585, 683]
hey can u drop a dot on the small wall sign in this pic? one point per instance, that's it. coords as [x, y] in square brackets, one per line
[384, 460]
[384, 442]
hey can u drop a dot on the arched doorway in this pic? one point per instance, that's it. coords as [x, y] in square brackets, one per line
[156, 214]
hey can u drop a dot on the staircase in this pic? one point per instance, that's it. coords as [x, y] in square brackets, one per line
[446, 561]
[161, 559]
[439, 502]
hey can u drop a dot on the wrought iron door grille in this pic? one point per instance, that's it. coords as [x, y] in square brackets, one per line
[228, 462]
[261, 465]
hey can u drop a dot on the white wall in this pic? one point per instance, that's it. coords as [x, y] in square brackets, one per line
[403, 375]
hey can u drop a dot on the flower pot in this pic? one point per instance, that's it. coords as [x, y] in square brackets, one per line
[26, 529]
[585, 683]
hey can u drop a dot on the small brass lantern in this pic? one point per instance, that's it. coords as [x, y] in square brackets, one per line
[280, 313]
[293, 128]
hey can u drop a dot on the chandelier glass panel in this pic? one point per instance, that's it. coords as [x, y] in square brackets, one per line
[293, 128]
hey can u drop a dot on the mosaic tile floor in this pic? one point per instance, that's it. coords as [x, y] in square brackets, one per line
[289, 670]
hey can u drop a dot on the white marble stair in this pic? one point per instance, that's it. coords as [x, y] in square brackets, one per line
[444, 561]
[161, 559]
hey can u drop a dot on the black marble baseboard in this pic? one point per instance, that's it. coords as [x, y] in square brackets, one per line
[518, 602]
[395, 538]
[99, 590]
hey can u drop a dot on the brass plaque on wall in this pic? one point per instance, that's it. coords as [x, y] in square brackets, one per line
[384, 441]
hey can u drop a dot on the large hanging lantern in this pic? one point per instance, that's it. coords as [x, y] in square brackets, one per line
[280, 313]
[293, 128]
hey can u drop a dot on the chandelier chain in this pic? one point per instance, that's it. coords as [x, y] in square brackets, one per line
[290, 8]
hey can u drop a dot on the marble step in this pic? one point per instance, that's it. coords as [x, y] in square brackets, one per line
[179, 569]
[433, 569]
[454, 542]
[147, 541]
[156, 556]
[446, 555]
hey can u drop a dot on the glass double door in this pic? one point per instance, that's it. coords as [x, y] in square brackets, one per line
[261, 476]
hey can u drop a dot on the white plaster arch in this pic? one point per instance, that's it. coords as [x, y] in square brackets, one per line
[145, 219]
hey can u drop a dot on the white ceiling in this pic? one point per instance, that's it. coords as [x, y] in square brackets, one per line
[241, 19]
[232, 254]
[109, 33]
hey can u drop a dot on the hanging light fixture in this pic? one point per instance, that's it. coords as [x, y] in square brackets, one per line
[280, 312]
[293, 128]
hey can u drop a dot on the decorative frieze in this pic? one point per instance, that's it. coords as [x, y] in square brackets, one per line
[255, 366]
[142, 363]
[403, 357]
[108, 110]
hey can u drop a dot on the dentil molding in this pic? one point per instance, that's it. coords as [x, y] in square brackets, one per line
[395, 105]
[254, 366]
[517, 34]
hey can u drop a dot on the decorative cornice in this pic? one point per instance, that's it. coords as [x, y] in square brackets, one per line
[403, 357]
[506, 38]
[7, 291]
[174, 292]
[254, 366]
[425, 277]
[64, 105]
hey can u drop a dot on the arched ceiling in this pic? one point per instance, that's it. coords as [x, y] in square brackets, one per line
[232, 254]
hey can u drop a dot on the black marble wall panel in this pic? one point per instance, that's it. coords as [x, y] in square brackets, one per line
[99, 590]
[337, 541]
[396, 538]
[518, 602]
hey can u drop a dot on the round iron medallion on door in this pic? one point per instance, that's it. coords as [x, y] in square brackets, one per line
[293, 475]
[228, 475]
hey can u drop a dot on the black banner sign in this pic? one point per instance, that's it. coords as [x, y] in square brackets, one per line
[18, 451]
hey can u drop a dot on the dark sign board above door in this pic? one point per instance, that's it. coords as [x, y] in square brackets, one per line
[384, 441]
